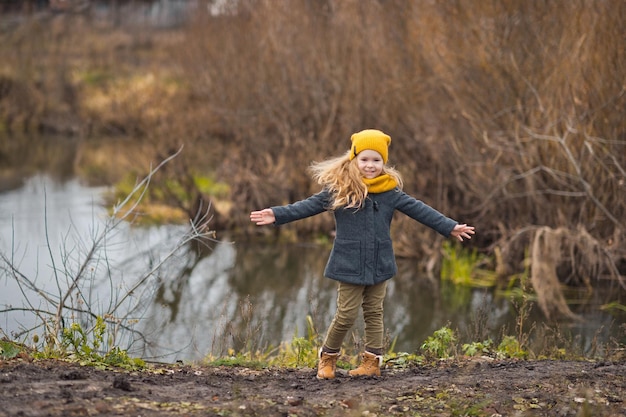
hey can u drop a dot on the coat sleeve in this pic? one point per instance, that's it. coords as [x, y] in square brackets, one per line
[313, 205]
[425, 214]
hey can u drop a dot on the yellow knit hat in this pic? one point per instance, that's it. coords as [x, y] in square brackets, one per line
[372, 139]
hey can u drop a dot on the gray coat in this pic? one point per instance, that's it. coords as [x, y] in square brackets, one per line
[362, 253]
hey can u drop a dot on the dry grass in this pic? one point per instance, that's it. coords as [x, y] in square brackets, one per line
[507, 115]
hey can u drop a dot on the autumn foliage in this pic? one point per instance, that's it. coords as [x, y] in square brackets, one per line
[508, 115]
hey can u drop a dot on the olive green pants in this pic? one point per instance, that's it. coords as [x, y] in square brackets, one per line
[350, 298]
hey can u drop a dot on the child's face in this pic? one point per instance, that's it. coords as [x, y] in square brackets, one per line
[370, 163]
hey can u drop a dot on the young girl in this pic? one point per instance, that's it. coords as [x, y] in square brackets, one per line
[363, 193]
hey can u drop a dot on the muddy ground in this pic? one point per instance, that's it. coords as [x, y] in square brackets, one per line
[476, 387]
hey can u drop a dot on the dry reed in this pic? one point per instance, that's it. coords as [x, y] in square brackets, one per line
[507, 115]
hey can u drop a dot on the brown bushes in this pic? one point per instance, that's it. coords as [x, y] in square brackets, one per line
[507, 115]
[504, 114]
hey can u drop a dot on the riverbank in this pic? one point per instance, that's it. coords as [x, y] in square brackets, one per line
[472, 387]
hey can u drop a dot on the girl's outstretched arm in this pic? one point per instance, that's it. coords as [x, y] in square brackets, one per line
[262, 217]
[461, 231]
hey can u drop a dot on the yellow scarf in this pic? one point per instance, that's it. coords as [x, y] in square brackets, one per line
[380, 184]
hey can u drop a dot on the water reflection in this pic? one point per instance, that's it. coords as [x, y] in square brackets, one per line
[254, 297]
[205, 300]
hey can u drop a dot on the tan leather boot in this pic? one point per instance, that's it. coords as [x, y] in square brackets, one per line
[370, 365]
[326, 365]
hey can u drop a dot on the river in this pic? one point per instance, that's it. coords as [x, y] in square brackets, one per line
[231, 294]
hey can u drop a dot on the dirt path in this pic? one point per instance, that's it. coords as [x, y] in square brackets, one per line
[468, 388]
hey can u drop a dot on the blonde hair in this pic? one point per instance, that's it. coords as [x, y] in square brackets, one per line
[342, 178]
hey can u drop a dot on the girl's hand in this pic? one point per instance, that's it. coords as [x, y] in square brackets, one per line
[262, 217]
[461, 231]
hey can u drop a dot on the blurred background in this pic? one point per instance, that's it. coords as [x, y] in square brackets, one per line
[506, 115]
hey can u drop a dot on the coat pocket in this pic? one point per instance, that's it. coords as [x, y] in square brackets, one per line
[385, 259]
[345, 258]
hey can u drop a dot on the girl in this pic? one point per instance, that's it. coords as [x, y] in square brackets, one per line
[363, 193]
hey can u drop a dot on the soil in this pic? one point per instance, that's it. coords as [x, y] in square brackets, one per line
[468, 387]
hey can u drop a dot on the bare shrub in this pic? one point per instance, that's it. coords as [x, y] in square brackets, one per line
[504, 114]
[74, 271]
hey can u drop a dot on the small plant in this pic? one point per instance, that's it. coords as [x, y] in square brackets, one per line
[440, 344]
[302, 351]
[75, 339]
[402, 360]
[478, 348]
[8, 349]
[240, 359]
[510, 348]
[87, 347]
